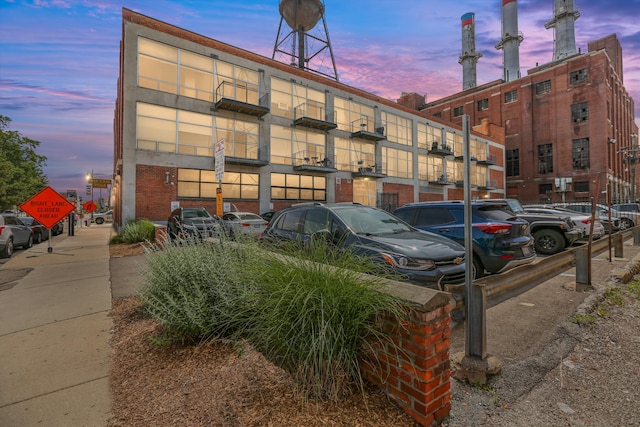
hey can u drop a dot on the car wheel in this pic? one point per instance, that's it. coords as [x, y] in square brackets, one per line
[548, 242]
[8, 249]
[478, 268]
[29, 243]
[99, 221]
[38, 238]
[625, 223]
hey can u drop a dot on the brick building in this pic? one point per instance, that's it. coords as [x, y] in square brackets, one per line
[289, 135]
[560, 123]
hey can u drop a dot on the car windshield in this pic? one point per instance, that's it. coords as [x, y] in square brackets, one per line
[196, 213]
[365, 220]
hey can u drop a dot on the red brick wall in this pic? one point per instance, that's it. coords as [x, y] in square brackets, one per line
[405, 192]
[344, 191]
[414, 371]
[153, 197]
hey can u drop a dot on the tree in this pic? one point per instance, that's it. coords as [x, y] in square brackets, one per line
[22, 168]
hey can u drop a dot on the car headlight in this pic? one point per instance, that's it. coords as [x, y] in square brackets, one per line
[407, 263]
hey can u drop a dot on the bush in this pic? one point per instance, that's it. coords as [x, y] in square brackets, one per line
[140, 230]
[310, 318]
[199, 290]
[314, 321]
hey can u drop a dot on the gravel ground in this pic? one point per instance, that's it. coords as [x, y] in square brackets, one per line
[595, 381]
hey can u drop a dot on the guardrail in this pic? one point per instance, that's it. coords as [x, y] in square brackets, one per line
[502, 286]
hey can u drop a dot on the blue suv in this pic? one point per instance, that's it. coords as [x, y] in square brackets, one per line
[501, 240]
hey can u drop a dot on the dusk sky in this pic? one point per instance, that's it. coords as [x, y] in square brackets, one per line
[59, 58]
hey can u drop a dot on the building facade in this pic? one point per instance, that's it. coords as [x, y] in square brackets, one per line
[569, 126]
[288, 135]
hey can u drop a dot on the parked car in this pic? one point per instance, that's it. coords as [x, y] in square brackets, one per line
[627, 207]
[268, 215]
[40, 232]
[552, 233]
[619, 220]
[421, 257]
[195, 222]
[501, 240]
[13, 234]
[102, 217]
[57, 229]
[582, 220]
[247, 223]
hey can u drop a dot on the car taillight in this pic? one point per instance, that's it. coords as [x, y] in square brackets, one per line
[586, 220]
[245, 224]
[1, 228]
[493, 228]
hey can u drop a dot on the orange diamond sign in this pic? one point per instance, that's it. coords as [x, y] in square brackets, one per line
[47, 207]
[90, 206]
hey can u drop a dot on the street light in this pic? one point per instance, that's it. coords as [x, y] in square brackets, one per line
[612, 142]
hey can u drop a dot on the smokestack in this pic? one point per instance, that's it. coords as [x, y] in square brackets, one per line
[510, 41]
[469, 56]
[564, 16]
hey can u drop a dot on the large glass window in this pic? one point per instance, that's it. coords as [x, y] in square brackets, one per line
[156, 128]
[511, 96]
[168, 130]
[397, 129]
[351, 155]
[430, 168]
[241, 138]
[513, 162]
[168, 69]
[352, 116]
[579, 76]
[545, 158]
[543, 87]
[296, 143]
[579, 112]
[580, 154]
[202, 184]
[398, 163]
[298, 187]
[293, 101]
[235, 82]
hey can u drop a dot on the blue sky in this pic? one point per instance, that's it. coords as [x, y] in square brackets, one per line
[59, 58]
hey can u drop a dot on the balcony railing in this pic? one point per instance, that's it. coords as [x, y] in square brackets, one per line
[488, 161]
[313, 161]
[441, 150]
[312, 114]
[241, 97]
[369, 170]
[364, 128]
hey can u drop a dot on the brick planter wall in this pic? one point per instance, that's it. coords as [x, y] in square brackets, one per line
[416, 373]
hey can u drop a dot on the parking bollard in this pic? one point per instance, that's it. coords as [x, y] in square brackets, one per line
[582, 266]
[636, 236]
[618, 245]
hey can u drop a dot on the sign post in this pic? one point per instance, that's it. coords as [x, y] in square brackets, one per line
[219, 158]
[48, 208]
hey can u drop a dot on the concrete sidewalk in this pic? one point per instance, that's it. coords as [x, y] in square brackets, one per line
[54, 333]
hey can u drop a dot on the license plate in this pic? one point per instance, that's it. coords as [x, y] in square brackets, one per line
[257, 225]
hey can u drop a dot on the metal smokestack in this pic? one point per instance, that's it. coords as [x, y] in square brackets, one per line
[510, 41]
[564, 16]
[469, 56]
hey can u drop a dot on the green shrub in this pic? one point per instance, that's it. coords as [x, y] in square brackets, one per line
[140, 230]
[315, 321]
[199, 290]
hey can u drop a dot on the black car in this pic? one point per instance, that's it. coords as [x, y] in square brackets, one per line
[501, 240]
[422, 258]
[197, 222]
[40, 232]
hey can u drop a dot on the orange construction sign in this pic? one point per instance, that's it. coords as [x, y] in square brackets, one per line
[89, 206]
[47, 207]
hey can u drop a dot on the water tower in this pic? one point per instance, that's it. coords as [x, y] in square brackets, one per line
[300, 48]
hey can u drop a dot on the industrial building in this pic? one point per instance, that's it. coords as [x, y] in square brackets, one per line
[201, 123]
[569, 124]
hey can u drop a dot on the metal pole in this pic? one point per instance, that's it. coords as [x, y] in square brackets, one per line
[610, 142]
[475, 300]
